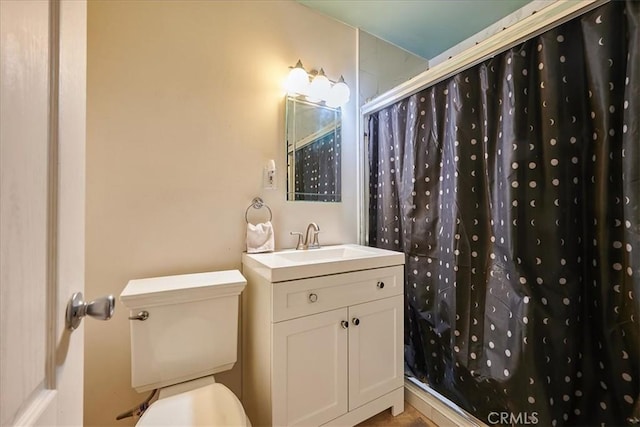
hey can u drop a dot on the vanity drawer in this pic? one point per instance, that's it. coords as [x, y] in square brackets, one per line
[303, 297]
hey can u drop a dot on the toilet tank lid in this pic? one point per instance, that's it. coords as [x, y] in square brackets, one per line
[165, 290]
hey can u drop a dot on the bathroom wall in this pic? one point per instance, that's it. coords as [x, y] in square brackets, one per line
[184, 109]
[383, 66]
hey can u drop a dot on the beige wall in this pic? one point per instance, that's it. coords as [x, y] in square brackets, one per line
[184, 109]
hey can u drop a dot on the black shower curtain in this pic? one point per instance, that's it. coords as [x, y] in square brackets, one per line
[317, 169]
[514, 188]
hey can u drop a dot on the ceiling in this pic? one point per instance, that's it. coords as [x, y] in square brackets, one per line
[423, 27]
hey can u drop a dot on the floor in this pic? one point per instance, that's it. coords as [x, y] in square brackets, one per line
[409, 418]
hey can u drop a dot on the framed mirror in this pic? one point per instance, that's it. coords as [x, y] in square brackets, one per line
[313, 140]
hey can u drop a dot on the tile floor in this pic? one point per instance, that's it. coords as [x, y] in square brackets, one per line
[409, 418]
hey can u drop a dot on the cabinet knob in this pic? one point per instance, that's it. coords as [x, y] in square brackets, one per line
[380, 285]
[344, 324]
[355, 321]
[313, 297]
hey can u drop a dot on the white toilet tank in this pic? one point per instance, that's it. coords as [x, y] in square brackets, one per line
[191, 330]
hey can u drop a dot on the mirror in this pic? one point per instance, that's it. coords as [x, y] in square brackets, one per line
[313, 140]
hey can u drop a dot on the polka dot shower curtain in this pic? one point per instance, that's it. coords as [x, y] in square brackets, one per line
[317, 169]
[513, 188]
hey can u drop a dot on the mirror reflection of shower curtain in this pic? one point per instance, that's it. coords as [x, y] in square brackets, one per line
[514, 190]
[317, 169]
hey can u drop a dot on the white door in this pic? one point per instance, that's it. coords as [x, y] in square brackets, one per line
[310, 369]
[42, 140]
[376, 364]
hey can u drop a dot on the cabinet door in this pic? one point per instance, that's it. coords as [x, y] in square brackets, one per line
[376, 342]
[309, 382]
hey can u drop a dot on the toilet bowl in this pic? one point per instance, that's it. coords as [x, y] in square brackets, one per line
[183, 330]
[208, 404]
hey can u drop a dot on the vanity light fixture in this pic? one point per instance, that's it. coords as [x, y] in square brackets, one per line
[316, 87]
[298, 80]
[319, 87]
[339, 94]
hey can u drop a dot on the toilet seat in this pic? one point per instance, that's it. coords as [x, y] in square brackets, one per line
[211, 405]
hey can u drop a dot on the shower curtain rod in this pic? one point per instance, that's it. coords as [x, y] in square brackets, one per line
[551, 16]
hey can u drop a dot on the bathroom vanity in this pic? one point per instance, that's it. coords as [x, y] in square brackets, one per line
[322, 335]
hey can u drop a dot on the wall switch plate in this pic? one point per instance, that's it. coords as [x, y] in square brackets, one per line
[269, 179]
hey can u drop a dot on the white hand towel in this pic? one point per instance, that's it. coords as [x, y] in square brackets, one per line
[260, 238]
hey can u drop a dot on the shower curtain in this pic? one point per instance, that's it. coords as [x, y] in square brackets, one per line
[513, 188]
[317, 168]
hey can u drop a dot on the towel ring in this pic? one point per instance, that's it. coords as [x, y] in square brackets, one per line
[257, 203]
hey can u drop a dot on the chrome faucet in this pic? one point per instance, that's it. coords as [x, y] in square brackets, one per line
[312, 228]
[312, 231]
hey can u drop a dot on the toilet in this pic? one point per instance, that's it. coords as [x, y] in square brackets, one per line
[184, 329]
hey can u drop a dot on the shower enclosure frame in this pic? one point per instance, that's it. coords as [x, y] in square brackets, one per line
[426, 400]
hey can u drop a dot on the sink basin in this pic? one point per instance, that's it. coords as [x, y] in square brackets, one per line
[297, 264]
[322, 254]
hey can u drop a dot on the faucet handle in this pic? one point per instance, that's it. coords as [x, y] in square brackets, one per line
[315, 244]
[300, 244]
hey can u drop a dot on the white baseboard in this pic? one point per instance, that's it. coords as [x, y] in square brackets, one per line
[432, 406]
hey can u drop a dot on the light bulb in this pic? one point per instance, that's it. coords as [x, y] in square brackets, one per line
[298, 80]
[319, 87]
[339, 94]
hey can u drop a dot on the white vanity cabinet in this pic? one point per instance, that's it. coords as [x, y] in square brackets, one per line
[309, 369]
[324, 350]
